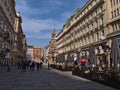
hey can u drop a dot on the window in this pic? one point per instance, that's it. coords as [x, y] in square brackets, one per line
[113, 27]
[116, 27]
[98, 52]
[92, 26]
[112, 14]
[96, 12]
[96, 24]
[114, 2]
[97, 36]
[117, 12]
[119, 24]
[117, 1]
[102, 21]
[92, 38]
[111, 2]
[103, 33]
[8, 9]
[0, 22]
[101, 8]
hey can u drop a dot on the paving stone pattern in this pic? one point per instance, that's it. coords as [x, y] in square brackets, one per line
[45, 80]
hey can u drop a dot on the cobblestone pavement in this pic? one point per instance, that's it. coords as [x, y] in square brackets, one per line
[45, 80]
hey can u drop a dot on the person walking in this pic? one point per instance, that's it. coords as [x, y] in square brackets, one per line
[30, 65]
[41, 65]
[19, 64]
[48, 65]
[33, 66]
[38, 66]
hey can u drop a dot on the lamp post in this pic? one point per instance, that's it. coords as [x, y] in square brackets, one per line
[78, 52]
[75, 60]
[66, 62]
[9, 54]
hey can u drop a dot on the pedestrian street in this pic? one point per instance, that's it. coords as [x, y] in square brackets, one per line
[45, 80]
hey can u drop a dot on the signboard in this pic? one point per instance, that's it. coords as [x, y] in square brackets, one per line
[12, 41]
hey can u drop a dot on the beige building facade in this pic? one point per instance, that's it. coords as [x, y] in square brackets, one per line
[37, 54]
[89, 33]
[7, 20]
[19, 48]
[9, 38]
[34, 53]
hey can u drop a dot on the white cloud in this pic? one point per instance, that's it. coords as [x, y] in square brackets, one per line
[32, 25]
[39, 28]
[24, 8]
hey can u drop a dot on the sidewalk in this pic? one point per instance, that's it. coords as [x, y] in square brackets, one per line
[46, 80]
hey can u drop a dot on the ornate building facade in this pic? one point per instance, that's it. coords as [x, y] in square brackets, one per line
[9, 38]
[89, 33]
[52, 48]
[19, 48]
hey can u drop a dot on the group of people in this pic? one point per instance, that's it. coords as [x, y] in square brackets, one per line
[29, 65]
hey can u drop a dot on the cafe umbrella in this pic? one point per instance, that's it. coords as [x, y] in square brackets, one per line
[84, 60]
[115, 52]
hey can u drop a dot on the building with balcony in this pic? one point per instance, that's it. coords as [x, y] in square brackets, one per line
[89, 33]
[7, 20]
[12, 39]
[19, 47]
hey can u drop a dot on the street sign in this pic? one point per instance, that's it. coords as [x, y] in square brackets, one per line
[12, 41]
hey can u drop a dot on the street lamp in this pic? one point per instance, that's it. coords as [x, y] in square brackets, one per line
[9, 54]
[66, 62]
[78, 52]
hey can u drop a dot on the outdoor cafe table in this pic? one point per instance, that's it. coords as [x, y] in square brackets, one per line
[100, 73]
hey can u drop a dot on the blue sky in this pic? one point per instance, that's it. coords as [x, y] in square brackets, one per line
[40, 17]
